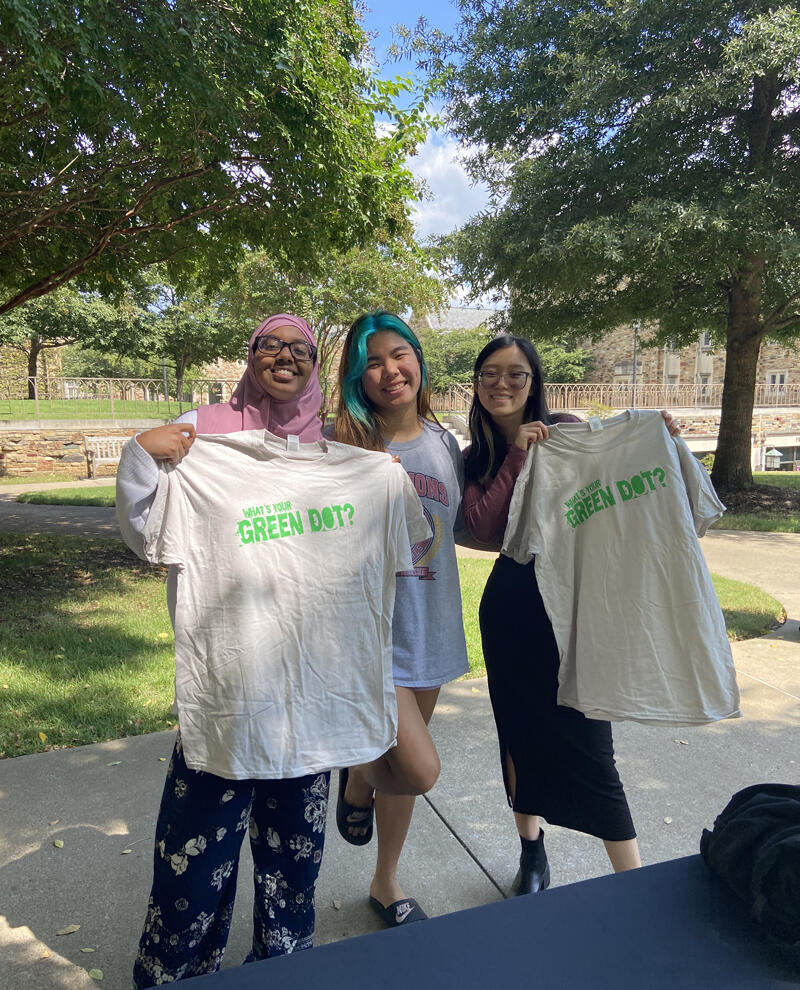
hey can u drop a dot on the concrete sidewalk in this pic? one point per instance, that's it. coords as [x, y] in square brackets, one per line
[70, 520]
[462, 849]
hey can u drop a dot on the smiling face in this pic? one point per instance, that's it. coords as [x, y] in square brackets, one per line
[393, 375]
[283, 376]
[500, 400]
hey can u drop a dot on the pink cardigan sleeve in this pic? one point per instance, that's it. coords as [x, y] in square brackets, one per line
[486, 509]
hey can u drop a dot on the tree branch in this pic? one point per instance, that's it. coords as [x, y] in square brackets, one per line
[56, 279]
[775, 320]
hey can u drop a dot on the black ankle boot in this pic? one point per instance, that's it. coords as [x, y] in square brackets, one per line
[534, 870]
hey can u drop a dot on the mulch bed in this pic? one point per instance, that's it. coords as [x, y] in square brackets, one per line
[760, 500]
[36, 566]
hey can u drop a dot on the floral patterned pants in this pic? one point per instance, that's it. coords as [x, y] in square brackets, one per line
[199, 834]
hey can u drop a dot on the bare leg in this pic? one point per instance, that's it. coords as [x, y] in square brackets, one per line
[392, 819]
[409, 768]
[623, 855]
[527, 825]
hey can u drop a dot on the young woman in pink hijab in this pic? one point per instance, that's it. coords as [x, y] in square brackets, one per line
[279, 392]
[203, 817]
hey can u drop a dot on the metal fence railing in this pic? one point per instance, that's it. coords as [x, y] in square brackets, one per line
[585, 395]
[118, 398]
[48, 397]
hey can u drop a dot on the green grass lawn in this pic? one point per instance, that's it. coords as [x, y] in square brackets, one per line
[473, 572]
[783, 479]
[766, 522]
[25, 409]
[102, 495]
[86, 647]
[748, 611]
[43, 477]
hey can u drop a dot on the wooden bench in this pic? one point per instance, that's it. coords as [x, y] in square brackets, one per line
[103, 450]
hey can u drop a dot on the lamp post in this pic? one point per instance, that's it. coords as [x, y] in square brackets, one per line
[164, 373]
[772, 460]
[636, 325]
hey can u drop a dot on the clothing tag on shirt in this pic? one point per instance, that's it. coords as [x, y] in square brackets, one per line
[594, 424]
[293, 442]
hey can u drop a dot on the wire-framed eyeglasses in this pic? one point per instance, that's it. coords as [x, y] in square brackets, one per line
[516, 380]
[299, 349]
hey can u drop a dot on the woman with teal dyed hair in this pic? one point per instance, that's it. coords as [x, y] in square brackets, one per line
[385, 405]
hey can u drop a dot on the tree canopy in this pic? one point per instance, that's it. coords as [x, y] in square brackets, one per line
[645, 163]
[67, 317]
[187, 327]
[141, 131]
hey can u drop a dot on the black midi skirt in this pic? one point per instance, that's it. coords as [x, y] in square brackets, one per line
[563, 761]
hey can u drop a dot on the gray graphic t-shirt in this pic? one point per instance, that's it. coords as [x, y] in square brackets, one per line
[428, 629]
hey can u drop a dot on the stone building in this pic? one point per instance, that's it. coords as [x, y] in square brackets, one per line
[700, 363]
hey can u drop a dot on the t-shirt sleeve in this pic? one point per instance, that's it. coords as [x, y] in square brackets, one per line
[523, 539]
[416, 524]
[137, 480]
[165, 530]
[703, 500]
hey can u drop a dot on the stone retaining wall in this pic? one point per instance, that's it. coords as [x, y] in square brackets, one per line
[60, 449]
[768, 421]
[32, 451]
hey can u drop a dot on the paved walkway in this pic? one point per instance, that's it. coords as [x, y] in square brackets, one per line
[462, 849]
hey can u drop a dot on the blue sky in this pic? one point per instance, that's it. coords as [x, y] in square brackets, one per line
[382, 17]
[453, 199]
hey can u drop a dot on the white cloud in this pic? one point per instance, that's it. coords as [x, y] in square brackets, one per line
[454, 198]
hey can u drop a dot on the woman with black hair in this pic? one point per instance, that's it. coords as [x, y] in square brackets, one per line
[556, 762]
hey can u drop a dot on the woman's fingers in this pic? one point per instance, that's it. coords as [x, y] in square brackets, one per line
[187, 438]
[168, 443]
[671, 423]
[530, 433]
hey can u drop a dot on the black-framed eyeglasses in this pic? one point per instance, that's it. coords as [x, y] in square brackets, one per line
[299, 349]
[516, 380]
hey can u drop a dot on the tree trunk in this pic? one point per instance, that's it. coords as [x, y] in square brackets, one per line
[732, 466]
[33, 364]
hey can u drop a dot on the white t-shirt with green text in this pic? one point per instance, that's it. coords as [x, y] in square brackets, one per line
[286, 581]
[612, 515]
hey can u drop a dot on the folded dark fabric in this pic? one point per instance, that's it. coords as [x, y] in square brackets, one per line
[755, 848]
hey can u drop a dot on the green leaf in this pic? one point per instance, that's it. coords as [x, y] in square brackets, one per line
[201, 152]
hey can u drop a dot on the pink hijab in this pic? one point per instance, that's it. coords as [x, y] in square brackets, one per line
[251, 408]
